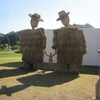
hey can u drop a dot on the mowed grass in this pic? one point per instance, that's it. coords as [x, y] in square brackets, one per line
[9, 57]
[16, 84]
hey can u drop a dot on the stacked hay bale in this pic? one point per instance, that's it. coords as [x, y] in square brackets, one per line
[32, 44]
[70, 44]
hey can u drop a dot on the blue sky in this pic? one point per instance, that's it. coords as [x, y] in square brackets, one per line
[14, 13]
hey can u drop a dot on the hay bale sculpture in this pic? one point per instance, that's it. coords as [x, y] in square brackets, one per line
[32, 44]
[70, 44]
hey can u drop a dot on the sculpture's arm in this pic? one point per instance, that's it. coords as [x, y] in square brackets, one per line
[55, 53]
[46, 53]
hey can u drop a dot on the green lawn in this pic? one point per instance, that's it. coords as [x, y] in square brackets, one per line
[16, 84]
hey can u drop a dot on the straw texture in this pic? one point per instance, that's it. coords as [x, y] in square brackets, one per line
[32, 43]
[70, 44]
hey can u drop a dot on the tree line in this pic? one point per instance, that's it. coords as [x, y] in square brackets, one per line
[10, 40]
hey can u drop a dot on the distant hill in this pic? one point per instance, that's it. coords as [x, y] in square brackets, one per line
[1, 34]
[84, 26]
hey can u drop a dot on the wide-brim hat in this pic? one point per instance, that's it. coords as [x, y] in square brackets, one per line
[62, 14]
[37, 16]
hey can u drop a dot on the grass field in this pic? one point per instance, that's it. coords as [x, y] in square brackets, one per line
[16, 84]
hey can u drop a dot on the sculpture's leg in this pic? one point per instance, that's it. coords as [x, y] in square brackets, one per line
[34, 67]
[68, 67]
[27, 65]
[52, 61]
[74, 68]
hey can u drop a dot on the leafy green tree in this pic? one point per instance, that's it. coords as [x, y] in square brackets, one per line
[1, 47]
[15, 47]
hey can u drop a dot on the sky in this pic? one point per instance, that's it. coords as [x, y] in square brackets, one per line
[14, 13]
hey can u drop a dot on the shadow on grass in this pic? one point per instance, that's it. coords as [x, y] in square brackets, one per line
[42, 80]
[94, 70]
[12, 72]
[12, 64]
[82, 69]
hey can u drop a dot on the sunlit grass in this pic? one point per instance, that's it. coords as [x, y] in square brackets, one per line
[9, 54]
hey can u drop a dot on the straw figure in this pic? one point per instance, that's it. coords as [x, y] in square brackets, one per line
[32, 44]
[50, 56]
[70, 44]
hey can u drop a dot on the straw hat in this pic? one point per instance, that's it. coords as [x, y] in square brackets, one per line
[62, 14]
[37, 16]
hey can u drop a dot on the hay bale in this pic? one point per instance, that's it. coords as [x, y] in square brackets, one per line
[32, 43]
[71, 45]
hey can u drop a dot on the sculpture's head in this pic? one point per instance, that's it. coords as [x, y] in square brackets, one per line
[35, 18]
[63, 16]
